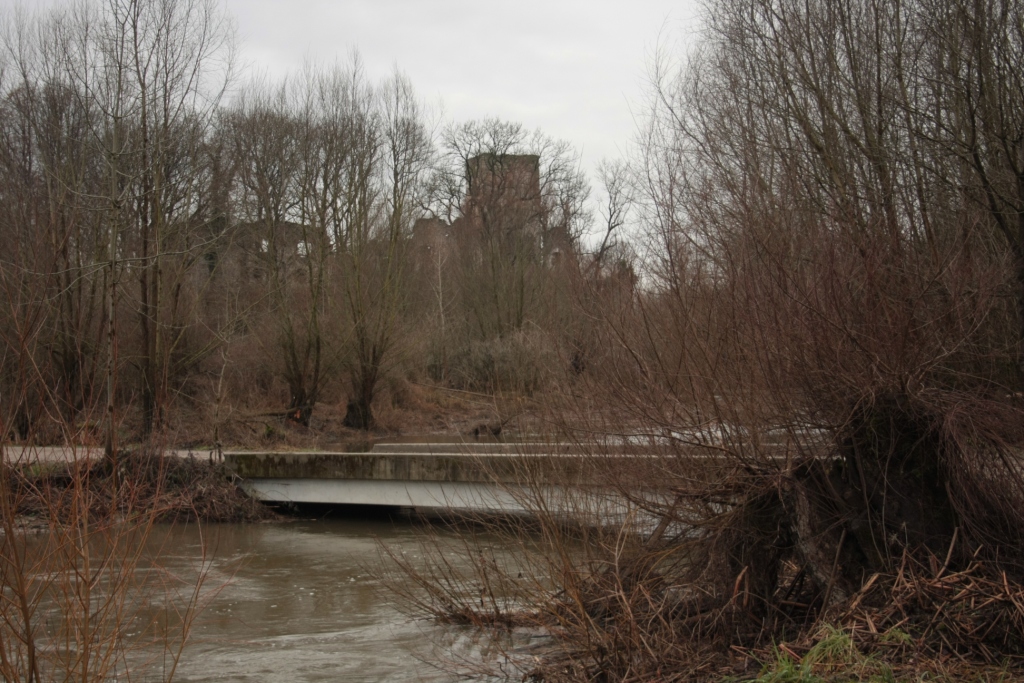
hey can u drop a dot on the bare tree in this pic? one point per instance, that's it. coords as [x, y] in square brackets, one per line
[374, 252]
[267, 145]
[129, 89]
[329, 170]
[179, 60]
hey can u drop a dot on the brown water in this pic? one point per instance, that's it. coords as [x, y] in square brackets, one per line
[299, 601]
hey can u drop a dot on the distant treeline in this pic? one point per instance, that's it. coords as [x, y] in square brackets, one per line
[165, 246]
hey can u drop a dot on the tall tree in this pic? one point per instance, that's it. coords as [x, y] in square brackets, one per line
[374, 250]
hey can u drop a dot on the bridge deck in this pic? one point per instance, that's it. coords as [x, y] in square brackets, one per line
[451, 476]
[470, 476]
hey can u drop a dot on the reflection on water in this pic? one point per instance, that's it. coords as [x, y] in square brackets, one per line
[298, 602]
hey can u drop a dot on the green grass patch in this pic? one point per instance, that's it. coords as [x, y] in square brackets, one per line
[835, 658]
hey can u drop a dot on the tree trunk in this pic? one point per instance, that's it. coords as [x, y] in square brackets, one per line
[359, 412]
[300, 409]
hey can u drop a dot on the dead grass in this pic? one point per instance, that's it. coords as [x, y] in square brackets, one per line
[401, 408]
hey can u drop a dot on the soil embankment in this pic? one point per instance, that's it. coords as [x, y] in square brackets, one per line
[171, 488]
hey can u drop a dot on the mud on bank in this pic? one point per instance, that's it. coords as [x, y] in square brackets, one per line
[171, 488]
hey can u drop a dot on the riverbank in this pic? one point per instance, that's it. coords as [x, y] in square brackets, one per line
[926, 622]
[169, 488]
[407, 409]
[838, 656]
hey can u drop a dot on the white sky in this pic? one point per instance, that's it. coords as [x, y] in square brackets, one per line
[573, 68]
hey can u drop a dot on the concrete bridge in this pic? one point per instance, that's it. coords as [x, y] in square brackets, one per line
[468, 476]
[461, 476]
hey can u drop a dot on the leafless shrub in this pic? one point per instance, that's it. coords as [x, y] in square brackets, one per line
[821, 367]
[78, 577]
[523, 362]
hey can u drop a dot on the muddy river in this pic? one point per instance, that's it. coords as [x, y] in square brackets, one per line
[301, 601]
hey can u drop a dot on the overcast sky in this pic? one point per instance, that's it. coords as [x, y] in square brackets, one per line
[572, 68]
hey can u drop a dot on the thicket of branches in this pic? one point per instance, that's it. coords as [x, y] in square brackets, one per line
[84, 595]
[183, 244]
[825, 356]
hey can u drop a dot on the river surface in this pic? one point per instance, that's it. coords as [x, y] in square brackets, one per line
[301, 601]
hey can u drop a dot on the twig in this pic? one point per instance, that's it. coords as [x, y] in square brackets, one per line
[832, 575]
[949, 553]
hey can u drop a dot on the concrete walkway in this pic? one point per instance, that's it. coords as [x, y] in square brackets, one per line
[50, 454]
